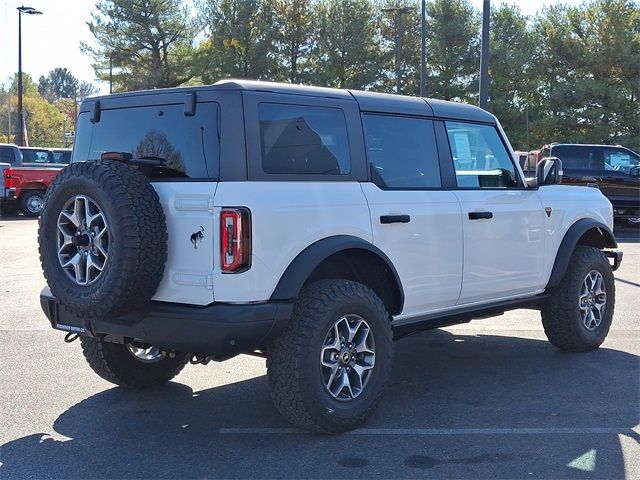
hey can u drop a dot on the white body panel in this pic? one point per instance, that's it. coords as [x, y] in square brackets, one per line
[443, 259]
[568, 205]
[286, 218]
[188, 271]
[502, 255]
[427, 251]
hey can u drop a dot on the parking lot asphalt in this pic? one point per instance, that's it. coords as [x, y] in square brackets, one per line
[488, 399]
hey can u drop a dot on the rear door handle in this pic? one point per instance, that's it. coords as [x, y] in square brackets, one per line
[395, 218]
[479, 215]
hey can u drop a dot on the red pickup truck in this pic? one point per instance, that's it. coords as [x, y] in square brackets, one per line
[24, 188]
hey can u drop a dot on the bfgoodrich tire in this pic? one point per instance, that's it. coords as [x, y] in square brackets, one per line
[129, 366]
[102, 238]
[329, 368]
[579, 312]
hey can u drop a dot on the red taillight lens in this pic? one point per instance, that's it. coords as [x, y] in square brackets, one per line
[8, 179]
[235, 239]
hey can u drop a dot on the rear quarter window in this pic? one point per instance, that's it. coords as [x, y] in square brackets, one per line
[188, 144]
[301, 139]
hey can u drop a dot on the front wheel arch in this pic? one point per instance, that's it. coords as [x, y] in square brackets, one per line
[587, 232]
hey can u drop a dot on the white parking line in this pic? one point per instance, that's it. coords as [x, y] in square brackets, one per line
[438, 431]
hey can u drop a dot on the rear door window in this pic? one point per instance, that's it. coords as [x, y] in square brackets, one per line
[302, 139]
[402, 151]
[188, 144]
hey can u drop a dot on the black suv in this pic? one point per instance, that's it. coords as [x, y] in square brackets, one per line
[613, 169]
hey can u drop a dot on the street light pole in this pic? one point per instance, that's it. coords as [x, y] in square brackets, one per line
[399, 11]
[484, 56]
[423, 47]
[20, 124]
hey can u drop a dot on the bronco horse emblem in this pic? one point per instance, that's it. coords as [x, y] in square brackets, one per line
[197, 237]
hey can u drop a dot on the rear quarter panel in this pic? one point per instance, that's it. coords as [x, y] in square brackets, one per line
[286, 218]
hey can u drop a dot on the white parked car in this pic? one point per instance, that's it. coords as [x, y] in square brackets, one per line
[310, 226]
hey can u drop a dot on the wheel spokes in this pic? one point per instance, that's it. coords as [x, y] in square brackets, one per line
[83, 240]
[347, 357]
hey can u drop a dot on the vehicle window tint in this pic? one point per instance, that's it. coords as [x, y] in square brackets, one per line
[402, 151]
[7, 155]
[479, 157]
[188, 144]
[35, 156]
[307, 140]
[578, 158]
[61, 156]
[620, 160]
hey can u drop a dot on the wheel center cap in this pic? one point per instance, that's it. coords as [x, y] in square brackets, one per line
[82, 240]
[345, 357]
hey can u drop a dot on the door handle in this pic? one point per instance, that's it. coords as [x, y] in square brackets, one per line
[479, 215]
[395, 218]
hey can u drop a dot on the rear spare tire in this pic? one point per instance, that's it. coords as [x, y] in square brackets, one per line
[102, 238]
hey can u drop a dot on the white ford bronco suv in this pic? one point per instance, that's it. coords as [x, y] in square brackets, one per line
[312, 227]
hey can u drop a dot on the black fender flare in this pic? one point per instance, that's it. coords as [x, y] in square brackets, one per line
[305, 263]
[569, 242]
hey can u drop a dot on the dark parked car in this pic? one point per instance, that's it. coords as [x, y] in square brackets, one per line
[612, 168]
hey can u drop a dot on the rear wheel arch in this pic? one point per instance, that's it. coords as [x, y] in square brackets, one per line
[587, 232]
[345, 257]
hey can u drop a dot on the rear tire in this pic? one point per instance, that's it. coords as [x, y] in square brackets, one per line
[31, 203]
[116, 363]
[579, 312]
[302, 361]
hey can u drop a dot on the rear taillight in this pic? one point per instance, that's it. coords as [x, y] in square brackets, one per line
[8, 178]
[235, 239]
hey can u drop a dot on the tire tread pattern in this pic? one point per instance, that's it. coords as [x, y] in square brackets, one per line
[115, 364]
[140, 225]
[561, 308]
[284, 368]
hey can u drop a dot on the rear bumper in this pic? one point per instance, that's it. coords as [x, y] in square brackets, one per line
[219, 329]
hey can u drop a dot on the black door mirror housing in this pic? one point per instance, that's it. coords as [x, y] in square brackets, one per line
[549, 171]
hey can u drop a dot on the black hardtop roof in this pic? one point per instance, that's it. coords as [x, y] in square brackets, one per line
[367, 101]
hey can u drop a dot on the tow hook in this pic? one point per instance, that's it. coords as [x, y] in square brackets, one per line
[617, 258]
[71, 337]
[201, 359]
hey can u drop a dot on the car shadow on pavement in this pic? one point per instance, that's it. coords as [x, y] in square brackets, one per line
[442, 381]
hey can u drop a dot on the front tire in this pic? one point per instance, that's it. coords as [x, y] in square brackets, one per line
[329, 368]
[579, 312]
[128, 365]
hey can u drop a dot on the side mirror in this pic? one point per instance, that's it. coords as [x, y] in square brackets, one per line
[549, 171]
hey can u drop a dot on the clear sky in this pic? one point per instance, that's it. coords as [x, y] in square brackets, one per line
[53, 39]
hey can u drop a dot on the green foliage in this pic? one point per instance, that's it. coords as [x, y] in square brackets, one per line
[568, 74]
[240, 40]
[60, 84]
[44, 119]
[347, 45]
[149, 42]
[588, 73]
[293, 40]
[510, 69]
